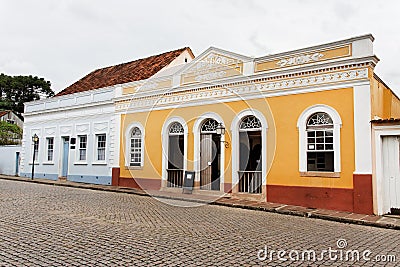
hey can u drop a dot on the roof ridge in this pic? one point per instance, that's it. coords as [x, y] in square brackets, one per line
[144, 58]
[135, 70]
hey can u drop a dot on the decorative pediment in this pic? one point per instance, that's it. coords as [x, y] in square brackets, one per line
[213, 64]
[82, 128]
[50, 131]
[66, 129]
[308, 56]
[36, 131]
[100, 126]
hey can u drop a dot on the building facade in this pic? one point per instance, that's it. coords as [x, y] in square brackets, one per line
[74, 131]
[297, 126]
[291, 128]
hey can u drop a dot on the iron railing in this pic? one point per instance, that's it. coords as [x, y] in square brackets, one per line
[174, 177]
[250, 182]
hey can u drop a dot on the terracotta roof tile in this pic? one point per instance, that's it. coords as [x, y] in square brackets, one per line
[2, 113]
[123, 73]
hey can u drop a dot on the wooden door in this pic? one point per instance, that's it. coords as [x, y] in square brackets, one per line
[206, 159]
[391, 174]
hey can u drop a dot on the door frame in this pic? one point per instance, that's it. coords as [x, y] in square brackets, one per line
[386, 179]
[236, 143]
[216, 160]
[17, 162]
[165, 148]
[196, 143]
[63, 155]
[378, 190]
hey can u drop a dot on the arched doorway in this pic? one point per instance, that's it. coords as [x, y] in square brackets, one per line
[250, 148]
[175, 167]
[210, 156]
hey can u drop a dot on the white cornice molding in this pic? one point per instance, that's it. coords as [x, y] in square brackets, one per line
[248, 90]
[63, 109]
[241, 98]
[69, 96]
[281, 74]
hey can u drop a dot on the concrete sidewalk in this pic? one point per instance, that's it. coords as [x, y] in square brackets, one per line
[392, 222]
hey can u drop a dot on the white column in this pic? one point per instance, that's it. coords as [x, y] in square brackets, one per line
[115, 139]
[362, 129]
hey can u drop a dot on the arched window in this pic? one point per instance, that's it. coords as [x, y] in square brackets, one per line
[176, 129]
[250, 164]
[250, 123]
[135, 147]
[320, 143]
[209, 126]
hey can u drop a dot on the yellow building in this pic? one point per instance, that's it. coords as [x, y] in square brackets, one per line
[297, 125]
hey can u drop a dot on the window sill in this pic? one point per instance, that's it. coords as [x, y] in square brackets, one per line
[320, 174]
[133, 167]
[99, 163]
[46, 163]
[80, 163]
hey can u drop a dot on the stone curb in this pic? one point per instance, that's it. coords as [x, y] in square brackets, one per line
[279, 210]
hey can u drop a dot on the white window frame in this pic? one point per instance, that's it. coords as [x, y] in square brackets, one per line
[138, 149]
[33, 151]
[47, 150]
[96, 152]
[78, 149]
[127, 152]
[302, 128]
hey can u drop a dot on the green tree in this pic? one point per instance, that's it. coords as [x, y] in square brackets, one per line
[16, 90]
[10, 134]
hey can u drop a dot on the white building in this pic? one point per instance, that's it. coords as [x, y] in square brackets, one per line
[10, 159]
[10, 117]
[78, 129]
[75, 133]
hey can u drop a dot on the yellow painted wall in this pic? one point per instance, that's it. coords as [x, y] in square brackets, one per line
[153, 122]
[281, 114]
[385, 104]
[286, 111]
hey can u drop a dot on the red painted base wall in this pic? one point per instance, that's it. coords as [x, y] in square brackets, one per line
[139, 183]
[357, 200]
[363, 198]
[312, 197]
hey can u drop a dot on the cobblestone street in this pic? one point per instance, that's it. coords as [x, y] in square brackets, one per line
[43, 225]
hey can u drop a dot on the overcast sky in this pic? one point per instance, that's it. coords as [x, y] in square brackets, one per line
[63, 40]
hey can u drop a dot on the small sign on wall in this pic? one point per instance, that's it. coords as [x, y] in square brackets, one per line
[73, 142]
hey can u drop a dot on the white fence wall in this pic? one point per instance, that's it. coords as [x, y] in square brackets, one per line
[8, 159]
